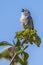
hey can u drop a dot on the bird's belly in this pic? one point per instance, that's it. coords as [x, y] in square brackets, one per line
[23, 21]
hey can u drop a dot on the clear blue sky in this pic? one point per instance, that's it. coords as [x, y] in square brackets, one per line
[9, 24]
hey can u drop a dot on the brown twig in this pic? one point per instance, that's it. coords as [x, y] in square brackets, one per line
[12, 59]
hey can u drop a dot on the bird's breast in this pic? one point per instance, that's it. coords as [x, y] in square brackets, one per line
[23, 19]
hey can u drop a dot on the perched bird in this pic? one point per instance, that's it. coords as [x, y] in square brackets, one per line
[26, 19]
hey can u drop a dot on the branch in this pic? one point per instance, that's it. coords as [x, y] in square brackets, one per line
[12, 59]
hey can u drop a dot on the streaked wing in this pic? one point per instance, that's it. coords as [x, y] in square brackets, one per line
[30, 23]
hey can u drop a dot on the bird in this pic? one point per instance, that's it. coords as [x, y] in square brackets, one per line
[26, 19]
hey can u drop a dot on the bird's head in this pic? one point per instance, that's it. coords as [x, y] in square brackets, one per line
[25, 12]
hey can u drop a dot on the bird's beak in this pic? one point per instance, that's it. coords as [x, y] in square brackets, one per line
[22, 10]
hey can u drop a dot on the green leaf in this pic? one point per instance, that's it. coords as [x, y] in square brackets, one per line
[28, 36]
[18, 43]
[27, 31]
[38, 41]
[26, 47]
[33, 32]
[18, 33]
[13, 42]
[4, 43]
[25, 56]
[19, 50]
[6, 54]
[20, 60]
[0, 55]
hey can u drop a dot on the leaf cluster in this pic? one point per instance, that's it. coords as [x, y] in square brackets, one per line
[28, 36]
[23, 37]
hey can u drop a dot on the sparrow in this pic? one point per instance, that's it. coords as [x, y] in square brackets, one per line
[26, 19]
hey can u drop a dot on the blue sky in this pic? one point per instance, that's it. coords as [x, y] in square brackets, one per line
[9, 24]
